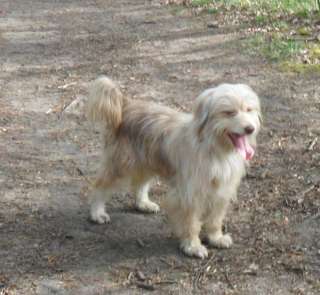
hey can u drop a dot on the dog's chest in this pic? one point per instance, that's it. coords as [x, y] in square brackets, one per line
[226, 172]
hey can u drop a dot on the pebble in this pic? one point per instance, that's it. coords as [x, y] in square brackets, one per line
[141, 276]
[252, 269]
[49, 287]
[265, 174]
[213, 25]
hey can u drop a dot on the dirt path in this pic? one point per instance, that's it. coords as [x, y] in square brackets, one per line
[49, 52]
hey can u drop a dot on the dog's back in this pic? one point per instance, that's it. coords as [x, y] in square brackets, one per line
[147, 128]
[134, 130]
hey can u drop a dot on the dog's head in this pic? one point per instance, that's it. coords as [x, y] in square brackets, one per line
[229, 116]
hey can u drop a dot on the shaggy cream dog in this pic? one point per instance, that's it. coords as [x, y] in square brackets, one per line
[202, 155]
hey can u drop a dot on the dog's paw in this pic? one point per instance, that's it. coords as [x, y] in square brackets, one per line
[222, 241]
[194, 249]
[148, 207]
[100, 217]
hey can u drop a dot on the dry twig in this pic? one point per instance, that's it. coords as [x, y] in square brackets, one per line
[312, 144]
[200, 272]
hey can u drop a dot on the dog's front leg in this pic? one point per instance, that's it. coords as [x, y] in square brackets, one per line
[213, 225]
[192, 246]
[187, 226]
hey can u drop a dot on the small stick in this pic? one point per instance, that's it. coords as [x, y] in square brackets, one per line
[307, 190]
[228, 280]
[80, 172]
[201, 272]
[146, 286]
[67, 85]
[166, 282]
[312, 144]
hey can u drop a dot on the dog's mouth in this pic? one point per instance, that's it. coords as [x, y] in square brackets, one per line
[242, 145]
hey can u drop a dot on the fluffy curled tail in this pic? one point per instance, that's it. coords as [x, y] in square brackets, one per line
[105, 102]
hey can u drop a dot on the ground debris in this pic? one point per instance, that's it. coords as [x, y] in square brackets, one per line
[301, 195]
[146, 286]
[65, 86]
[76, 107]
[140, 275]
[200, 272]
[252, 269]
[213, 25]
[312, 144]
[265, 174]
[141, 243]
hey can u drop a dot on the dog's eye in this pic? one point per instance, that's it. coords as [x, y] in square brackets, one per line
[249, 109]
[230, 113]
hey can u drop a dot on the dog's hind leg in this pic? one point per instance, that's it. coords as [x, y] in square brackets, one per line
[141, 187]
[97, 209]
[102, 193]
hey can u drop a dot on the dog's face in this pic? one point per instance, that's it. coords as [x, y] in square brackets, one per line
[229, 115]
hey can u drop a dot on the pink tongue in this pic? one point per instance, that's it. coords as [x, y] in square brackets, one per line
[243, 147]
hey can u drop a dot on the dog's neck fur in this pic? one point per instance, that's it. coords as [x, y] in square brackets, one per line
[209, 163]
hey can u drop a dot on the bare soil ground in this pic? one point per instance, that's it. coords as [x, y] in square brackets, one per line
[50, 50]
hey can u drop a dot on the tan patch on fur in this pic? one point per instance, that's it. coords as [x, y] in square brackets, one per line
[105, 102]
[145, 127]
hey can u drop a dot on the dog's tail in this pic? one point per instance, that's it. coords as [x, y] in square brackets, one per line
[105, 102]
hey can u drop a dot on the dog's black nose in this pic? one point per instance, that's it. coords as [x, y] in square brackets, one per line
[249, 129]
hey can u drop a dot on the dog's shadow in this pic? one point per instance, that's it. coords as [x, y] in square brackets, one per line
[64, 240]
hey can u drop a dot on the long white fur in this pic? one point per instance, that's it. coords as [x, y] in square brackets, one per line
[202, 167]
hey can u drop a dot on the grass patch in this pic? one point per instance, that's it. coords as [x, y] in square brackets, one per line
[259, 12]
[289, 54]
[299, 67]
[200, 3]
[261, 19]
[281, 31]
[276, 6]
[212, 10]
[275, 47]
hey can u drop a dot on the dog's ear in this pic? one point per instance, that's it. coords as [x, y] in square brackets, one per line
[201, 125]
[201, 116]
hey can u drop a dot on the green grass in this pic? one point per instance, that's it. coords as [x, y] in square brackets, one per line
[275, 47]
[261, 19]
[212, 10]
[285, 52]
[287, 6]
[285, 30]
[300, 68]
[199, 3]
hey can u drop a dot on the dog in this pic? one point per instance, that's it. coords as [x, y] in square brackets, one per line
[202, 156]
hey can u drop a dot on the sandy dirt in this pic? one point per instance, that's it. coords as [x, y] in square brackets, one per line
[49, 51]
